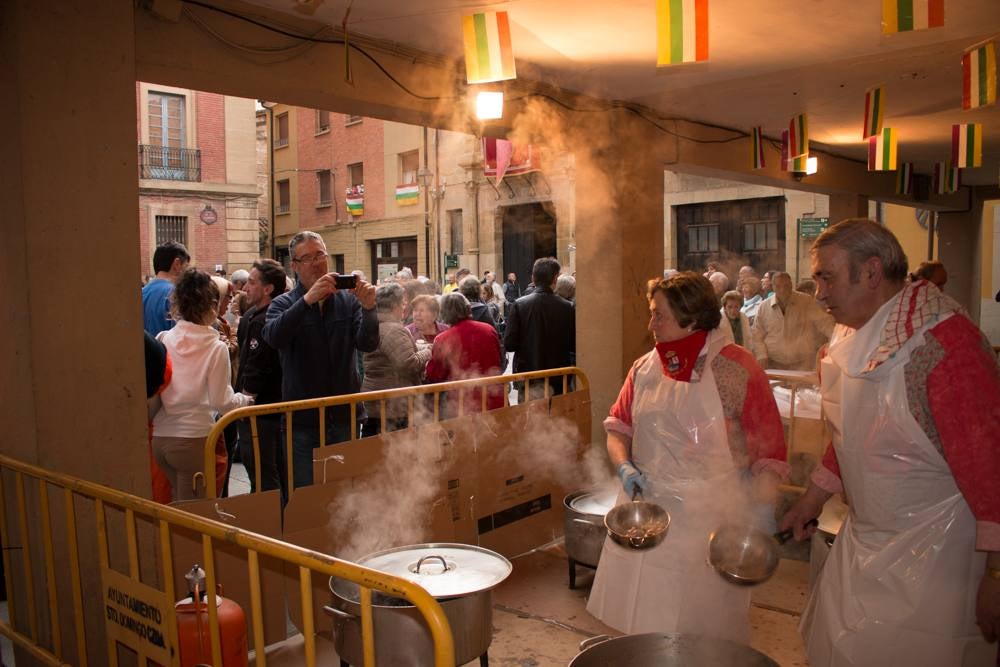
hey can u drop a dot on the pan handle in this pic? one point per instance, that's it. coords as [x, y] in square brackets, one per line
[786, 535]
[593, 641]
[333, 611]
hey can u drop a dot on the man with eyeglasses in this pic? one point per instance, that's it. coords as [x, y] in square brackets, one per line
[318, 331]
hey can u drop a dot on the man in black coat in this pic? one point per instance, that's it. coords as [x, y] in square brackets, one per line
[259, 373]
[541, 329]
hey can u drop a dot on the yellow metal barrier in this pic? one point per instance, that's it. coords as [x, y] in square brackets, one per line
[21, 585]
[353, 400]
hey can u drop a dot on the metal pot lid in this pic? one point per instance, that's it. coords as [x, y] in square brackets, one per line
[443, 570]
[597, 501]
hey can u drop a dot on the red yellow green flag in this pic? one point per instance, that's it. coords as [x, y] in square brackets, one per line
[967, 145]
[488, 53]
[907, 15]
[979, 76]
[756, 148]
[882, 150]
[798, 136]
[681, 31]
[874, 110]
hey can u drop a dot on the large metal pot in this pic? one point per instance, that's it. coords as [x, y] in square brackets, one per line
[667, 650]
[584, 526]
[461, 577]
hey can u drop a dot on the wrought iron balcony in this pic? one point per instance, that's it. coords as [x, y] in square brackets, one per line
[170, 164]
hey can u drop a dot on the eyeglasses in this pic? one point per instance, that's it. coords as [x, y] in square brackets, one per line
[309, 259]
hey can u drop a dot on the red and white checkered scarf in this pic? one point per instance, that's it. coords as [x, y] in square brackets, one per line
[919, 303]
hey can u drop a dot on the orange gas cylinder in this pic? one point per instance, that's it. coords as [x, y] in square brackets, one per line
[193, 630]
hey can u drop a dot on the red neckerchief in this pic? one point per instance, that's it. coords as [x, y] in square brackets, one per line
[678, 357]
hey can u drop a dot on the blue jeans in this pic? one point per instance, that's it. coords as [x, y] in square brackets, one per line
[305, 438]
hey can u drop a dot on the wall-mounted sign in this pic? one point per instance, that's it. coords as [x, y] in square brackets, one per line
[812, 227]
[208, 215]
[451, 261]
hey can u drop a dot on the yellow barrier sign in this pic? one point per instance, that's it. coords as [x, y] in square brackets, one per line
[137, 616]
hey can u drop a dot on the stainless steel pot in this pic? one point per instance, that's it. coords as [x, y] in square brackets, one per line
[584, 526]
[667, 650]
[461, 577]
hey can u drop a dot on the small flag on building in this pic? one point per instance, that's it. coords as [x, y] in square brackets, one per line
[967, 145]
[681, 31]
[356, 205]
[882, 150]
[874, 107]
[793, 164]
[798, 136]
[488, 53]
[947, 179]
[756, 148]
[904, 179]
[979, 76]
[407, 195]
[907, 15]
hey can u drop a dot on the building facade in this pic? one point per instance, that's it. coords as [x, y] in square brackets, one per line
[387, 195]
[197, 176]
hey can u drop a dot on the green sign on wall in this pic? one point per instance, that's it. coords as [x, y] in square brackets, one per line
[812, 227]
[451, 261]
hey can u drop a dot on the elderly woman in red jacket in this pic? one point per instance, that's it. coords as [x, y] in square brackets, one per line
[468, 349]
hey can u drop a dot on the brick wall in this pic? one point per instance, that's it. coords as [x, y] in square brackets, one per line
[206, 243]
[342, 145]
[211, 136]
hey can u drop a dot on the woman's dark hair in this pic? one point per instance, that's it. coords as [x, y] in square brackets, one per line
[195, 297]
[691, 298]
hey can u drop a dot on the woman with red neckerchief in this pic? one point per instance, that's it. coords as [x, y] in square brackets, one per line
[696, 430]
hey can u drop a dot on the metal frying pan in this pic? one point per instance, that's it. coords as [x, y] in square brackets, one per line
[746, 556]
[637, 524]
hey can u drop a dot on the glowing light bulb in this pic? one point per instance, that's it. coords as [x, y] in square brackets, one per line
[489, 105]
[812, 165]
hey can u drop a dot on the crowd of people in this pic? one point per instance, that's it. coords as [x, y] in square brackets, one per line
[215, 344]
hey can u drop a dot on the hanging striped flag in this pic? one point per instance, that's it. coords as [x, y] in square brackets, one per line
[967, 145]
[488, 54]
[756, 148]
[947, 179]
[874, 107]
[882, 150]
[906, 15]
[356, 205]
[904, 179]
[793, 164]
[407, 195]
[979, 76]
[681, 31]
[798, 136]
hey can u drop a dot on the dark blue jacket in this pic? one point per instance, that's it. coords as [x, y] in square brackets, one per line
[318, 351]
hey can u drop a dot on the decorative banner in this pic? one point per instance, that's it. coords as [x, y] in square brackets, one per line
[793, 164]
[681, 31]
[947, 179]
[904, 179]
[407, 195]
[967, 145]
[488, 53]
[520, 160]
[756, 148]
[882, 151]
[798, 136]
[356, 205]
[979, 76]
[874, 106]
[906, 15]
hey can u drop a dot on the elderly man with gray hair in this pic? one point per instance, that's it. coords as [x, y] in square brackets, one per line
[789, 329]
[468, 349]
[396, 363]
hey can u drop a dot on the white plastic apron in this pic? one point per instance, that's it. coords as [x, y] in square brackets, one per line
[680, 443]
[899, 585]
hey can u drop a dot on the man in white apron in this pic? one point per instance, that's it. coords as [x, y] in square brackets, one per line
[912, 394]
